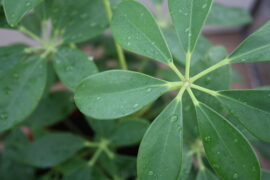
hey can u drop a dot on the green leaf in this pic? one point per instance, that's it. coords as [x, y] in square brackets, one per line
[72, 66]
[205, 174]
[135, 29]
[16, 9]
[160, 153]
[186, 165]
[53, 108]
[22, 82]
[265, 175]
[256, 48]
[80, 20]
[188, 17]
[223, 15]
[228, 152]
[107, 95]
[3, 21]
[83, 173]
[252, 109]
[53, 149]
[128, 132]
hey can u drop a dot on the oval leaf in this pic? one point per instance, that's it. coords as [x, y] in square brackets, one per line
[256, 48]
[228, 152]
[252, 109]
[16, 9]
[79, 20]
[72, 66]
[22, 82]
[116, 93]
[160, 153]
[188, 17]
[53, 149]
[135, 29]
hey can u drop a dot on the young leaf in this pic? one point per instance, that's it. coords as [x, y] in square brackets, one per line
[135, 29]
[160, 153]
[252, 109]
[107, 95]
[228, 152]
[256, 48]
[223, 15]
[80, 20]
[128, 132]
[53, 108]
[16, 9]
[206, 174]
[72, 66]
[21, 80]
[53, 149]
[188, 17]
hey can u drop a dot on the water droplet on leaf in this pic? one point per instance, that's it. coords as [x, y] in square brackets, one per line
[150, 173]
[174, 118]
[235, 176]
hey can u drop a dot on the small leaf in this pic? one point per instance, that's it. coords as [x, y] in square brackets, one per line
[228, 152]
[160, 153]
[135, 29]
[79, 20]
[53, 108]
[188, 17]
[128, 132]
[22, 82]
[252, 109]
[223, 15]
[107, 95]
[72, 66]
[256, 48]
[16, 9]
[53, 149]
[206, 175]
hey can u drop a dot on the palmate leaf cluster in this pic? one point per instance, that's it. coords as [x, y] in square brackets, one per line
[196, 117]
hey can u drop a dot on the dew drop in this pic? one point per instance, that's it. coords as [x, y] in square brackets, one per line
[90, 58]
[186, 30]
[174, 118]
[218, 153]
[207, 139]
[235, 176]
[4, 116]
[204, 6]
[98, 98]
[128, 43]
[28, 4]
[149, 90]
[135, 105]
[150, 173]
[69, 68]
[189, 34]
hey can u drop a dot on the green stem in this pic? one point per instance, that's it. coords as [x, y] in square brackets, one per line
[208, 91]
[91, 144]
[30, 34]
[95, 157]
[200, 162]
[187, 70]
[120, 52]
[177, 72]
[194, 99]
[210, 69]
[180, 94]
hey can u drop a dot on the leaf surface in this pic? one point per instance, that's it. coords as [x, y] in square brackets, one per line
[160, 153]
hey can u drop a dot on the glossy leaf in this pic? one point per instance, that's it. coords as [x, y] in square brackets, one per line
[16, 9]
[53, 108]
[228, 16]
[228, 152]
[53, 149]
[252, 109]
[107, 95]
[72, 66]
[79, 21]
[21, 80]
[256, 48]
[160, 153]
[188, 17]
[135, 29]
[206, 174]
[128, 132]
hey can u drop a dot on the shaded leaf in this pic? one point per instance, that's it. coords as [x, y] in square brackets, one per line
[107, 95]
[135, 29]
[72, 66]
[160, 153]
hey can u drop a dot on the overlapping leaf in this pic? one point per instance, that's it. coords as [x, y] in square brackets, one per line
[116, 93]
[160, 153]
